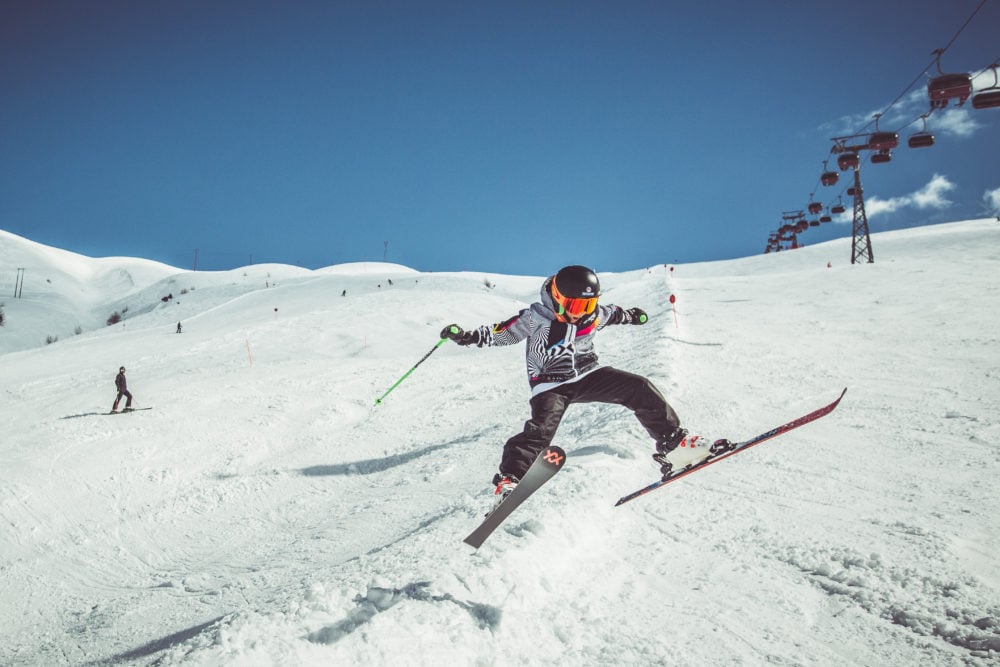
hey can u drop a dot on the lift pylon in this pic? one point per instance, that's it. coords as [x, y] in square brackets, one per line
[861, 242]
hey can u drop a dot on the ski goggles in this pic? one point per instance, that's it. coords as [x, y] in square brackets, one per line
[574, 307]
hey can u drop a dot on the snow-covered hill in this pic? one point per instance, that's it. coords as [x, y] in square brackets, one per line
[263, 512]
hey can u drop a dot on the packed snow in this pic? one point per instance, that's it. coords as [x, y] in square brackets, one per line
[266, 511]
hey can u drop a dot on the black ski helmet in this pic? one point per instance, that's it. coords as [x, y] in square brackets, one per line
[577, 282]
[574, 291]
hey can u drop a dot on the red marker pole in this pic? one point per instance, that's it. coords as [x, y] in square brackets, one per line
[673, 307]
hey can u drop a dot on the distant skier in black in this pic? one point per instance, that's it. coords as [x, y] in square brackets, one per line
[563, 369]
[122, 387]
[178, 327]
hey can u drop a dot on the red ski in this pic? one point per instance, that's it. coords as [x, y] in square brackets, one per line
[737, 448]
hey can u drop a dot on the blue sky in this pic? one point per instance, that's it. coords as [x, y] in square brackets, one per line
[509, 137]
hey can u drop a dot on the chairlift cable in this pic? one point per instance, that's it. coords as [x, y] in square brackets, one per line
[924, 70]
[964, 25]
[993, 63]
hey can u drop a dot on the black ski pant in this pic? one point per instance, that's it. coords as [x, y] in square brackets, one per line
[128, 399]
[605, 385]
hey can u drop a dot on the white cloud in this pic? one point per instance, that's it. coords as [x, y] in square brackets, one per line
[931, 195]
[992, 200]
[876, 206]
[956, 121]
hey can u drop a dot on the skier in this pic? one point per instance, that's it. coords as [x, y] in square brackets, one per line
[122, 387]
[562, 370]
[178, 327]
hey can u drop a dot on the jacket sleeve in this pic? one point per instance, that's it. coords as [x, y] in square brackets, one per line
[612, 314]
[509, 332]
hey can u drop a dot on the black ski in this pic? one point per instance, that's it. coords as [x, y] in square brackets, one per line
[545, 466]
[124, 410]
[737, 448]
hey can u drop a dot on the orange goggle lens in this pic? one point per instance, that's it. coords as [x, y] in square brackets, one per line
[576, 307]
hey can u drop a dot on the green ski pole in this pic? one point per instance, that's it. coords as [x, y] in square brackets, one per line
[422, 360]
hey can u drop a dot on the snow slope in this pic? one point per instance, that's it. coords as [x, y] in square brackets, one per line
[263, 512]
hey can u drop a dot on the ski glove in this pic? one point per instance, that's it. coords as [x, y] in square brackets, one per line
[455, 333]
[637, 316]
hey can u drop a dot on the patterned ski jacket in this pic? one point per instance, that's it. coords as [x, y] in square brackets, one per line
[556, 352]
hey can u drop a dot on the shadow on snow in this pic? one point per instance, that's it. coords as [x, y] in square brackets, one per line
[370, 466]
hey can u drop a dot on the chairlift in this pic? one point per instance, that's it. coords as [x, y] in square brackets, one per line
[814, 223]
[879, 140]
[814, 206]
[988, 98]
[945, 87]
[828, 177]
[848, 161]
[921, 139]
[801, 226]
[882, 156]
[825, 218]
[853, 192]
[883, 140]
[838, 208]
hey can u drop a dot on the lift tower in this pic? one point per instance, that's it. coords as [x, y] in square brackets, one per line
[861, 242]
[849, 157]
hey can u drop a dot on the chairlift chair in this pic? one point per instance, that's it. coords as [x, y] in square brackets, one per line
[988, 98]
[814, 223]
[825, 218]
[829, 178]
[882, 156]
[878, 141]
[815, 207]
[837, 209]
[942, 88]
[881, 141]
[848, 161]
[945, 87]
[921, 139]
[852, 191]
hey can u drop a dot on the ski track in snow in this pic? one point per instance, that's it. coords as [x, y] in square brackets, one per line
[265, 512]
